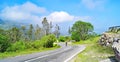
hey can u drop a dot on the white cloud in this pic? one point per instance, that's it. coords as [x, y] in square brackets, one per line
[93, 4]
[60, 17]
[31, 13]
[28, 12]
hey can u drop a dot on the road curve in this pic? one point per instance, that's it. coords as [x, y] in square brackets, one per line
[63, 54]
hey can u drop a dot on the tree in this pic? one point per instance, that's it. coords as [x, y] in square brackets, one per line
[50, 27]
[30, 32]
[69, 30]
[57, 31]
[81, 30]
[46, 26]
[14, 34]
[4, 43]
[23, 36]
[37, 32]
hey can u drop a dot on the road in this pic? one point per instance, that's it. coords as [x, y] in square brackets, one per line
[63, 54]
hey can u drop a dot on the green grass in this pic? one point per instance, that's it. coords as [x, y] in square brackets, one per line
[93, 52]
[28, 51]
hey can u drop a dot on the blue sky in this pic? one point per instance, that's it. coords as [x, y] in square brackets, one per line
[101, 13]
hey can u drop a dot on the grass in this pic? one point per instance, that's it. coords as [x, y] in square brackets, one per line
[28, 51]
[93, 52]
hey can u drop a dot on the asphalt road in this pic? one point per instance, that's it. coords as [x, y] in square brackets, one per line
[63, 54]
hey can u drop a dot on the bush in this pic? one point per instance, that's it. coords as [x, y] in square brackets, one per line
[28, 45]
[17, 46]
[48, 41]
[37, 44]
[62, 39]
[75, 36]
[4, 43]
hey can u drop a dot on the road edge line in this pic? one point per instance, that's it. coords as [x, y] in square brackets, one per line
[83, 48]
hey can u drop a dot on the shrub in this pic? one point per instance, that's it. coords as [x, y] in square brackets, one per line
[37, 44]
[17, 46]
[62, 39]
[48, 41]
[4, 43]
[28, 45]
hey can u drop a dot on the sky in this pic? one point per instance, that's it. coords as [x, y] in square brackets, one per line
[101, 13]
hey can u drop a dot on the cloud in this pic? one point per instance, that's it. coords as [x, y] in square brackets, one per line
[31, 13]
[27, 12]
[63, 16]
[93, 4]
[60, 17]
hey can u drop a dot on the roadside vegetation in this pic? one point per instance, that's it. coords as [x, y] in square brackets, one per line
[28, 39]
[93, 52]
[82, 33]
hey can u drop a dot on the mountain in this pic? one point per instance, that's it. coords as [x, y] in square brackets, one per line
[1, 21]
[9, 24]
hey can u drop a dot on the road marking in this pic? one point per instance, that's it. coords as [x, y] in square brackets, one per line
[42, 56]
[74, 54]
[57, 53]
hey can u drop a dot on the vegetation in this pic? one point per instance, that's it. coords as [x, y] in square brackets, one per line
[17, 39]
[81, 30]
[64, 38]
[93, 52]
[26, 51]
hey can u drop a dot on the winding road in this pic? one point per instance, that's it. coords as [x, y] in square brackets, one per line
[63, 54]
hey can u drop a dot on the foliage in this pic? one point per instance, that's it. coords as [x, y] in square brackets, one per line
[67, 38]
[27, 37]
[37, 44]
[48, 41]
[62, 39]
[14, 34]
[27, 51]
[30, 32]
[93, 52]
[81, 30]
[17, 46]
[46, 26]
[4, 43]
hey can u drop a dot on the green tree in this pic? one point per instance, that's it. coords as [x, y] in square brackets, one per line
[81, 30]
[30, 32]
[46, 26]
[23, 33]
[37, 32]
[14, 34]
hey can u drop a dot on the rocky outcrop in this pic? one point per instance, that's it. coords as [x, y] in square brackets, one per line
[112, 40]
[107, 39]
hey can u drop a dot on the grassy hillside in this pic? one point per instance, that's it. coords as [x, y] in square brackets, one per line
[93, 52]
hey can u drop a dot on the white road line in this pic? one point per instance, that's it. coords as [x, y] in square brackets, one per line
[42, 57]
[57, 53]
[74, 54]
